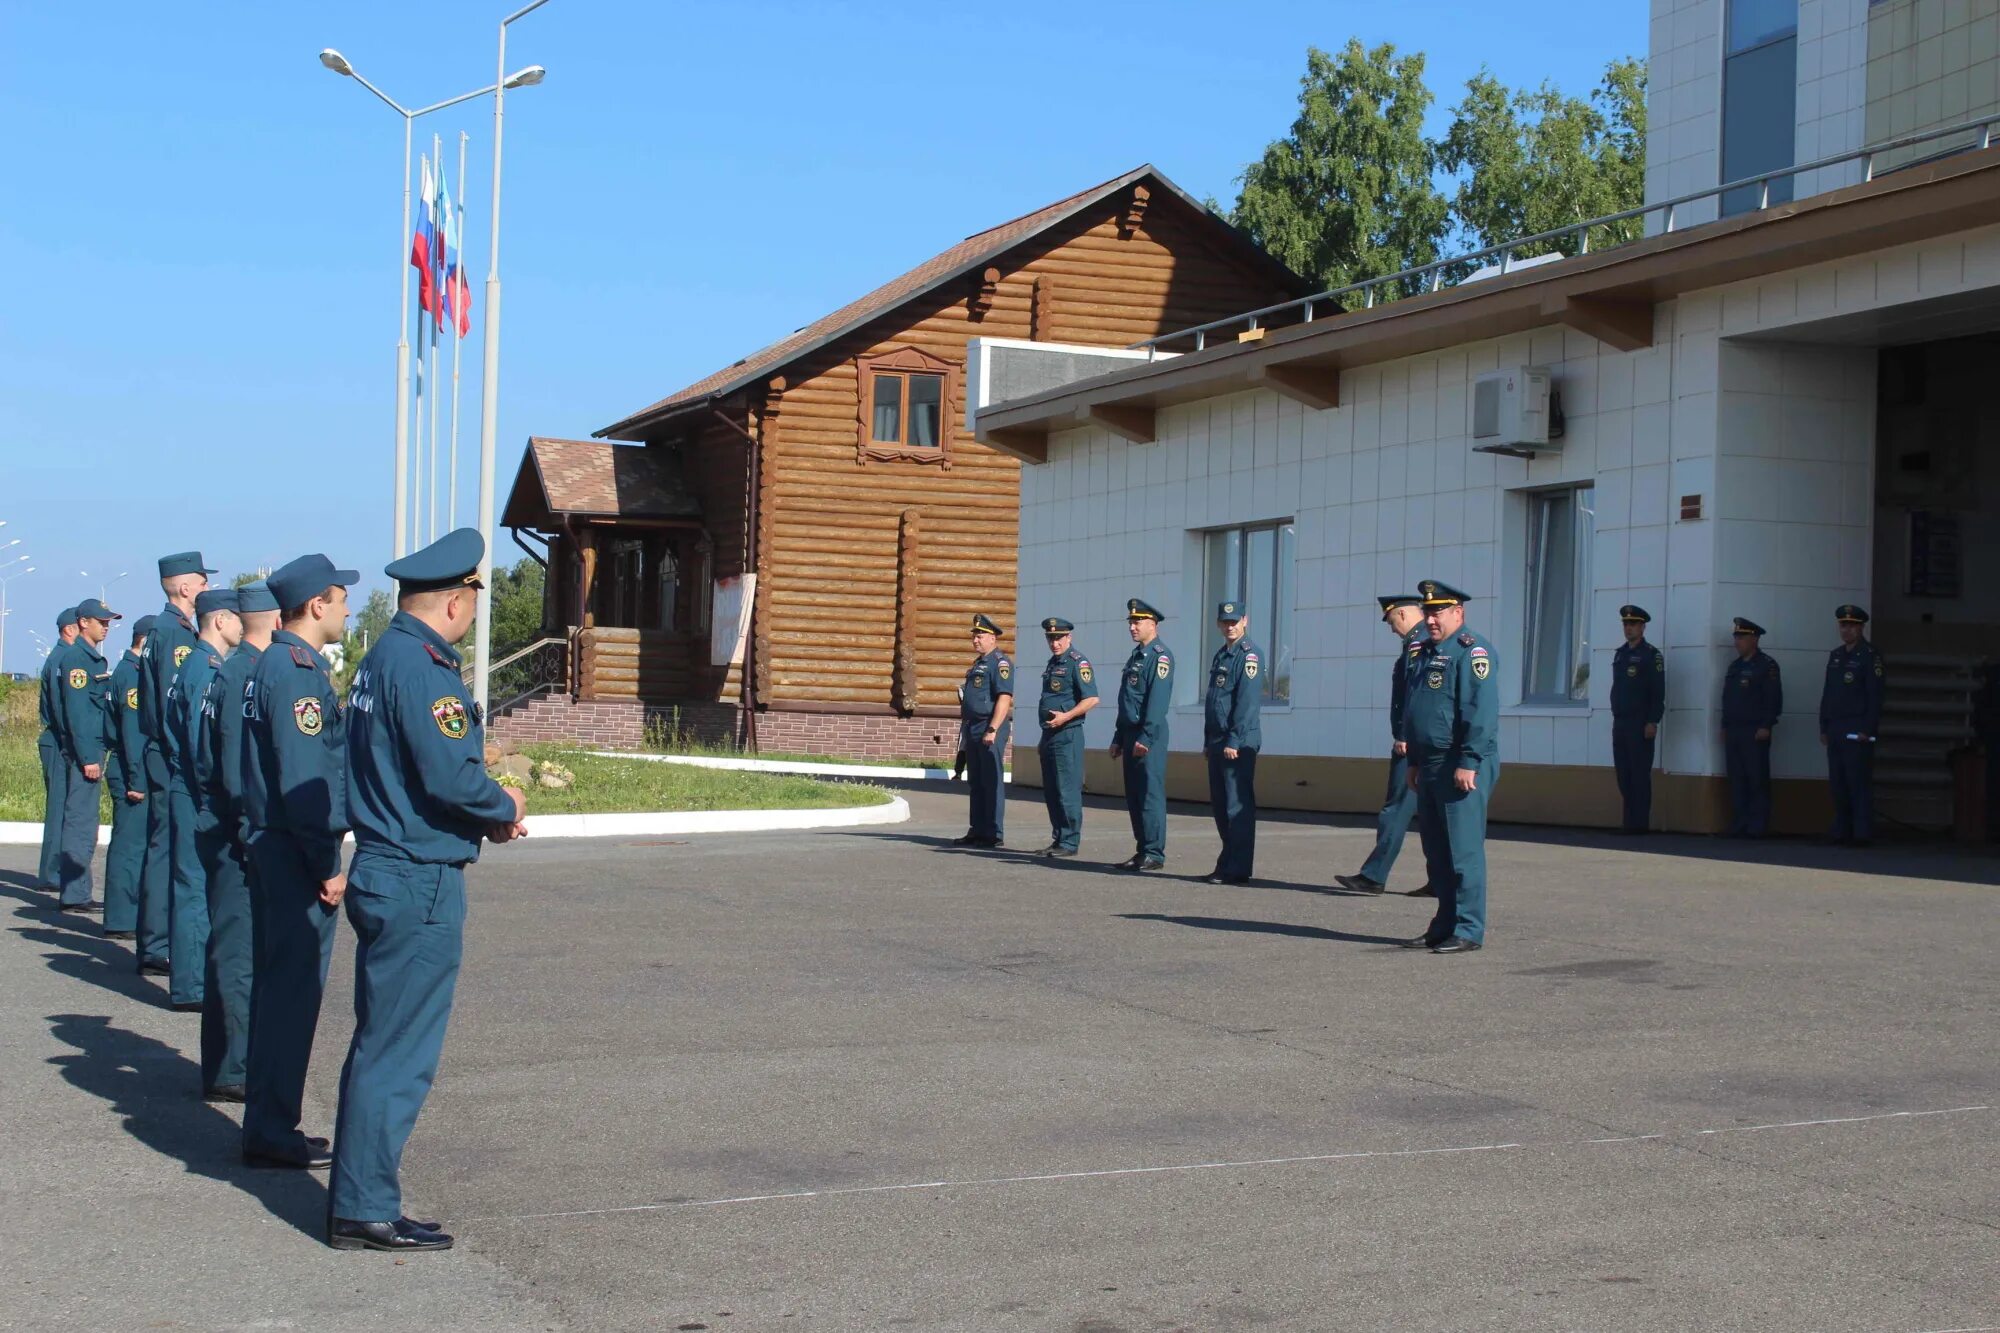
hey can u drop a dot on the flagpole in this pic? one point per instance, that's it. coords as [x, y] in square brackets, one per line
[437, 265]
[417, 464]
[457, 319]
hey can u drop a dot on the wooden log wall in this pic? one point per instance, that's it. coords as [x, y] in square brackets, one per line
[639, 664]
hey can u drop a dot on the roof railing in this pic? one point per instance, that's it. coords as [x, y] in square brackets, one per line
[1431, 277]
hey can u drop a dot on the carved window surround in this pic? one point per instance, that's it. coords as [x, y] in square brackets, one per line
[907, 364]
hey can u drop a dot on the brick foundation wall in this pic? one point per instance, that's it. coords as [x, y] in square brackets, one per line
[622, 725]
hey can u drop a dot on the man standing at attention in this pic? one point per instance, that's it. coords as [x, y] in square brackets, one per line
[1753, 699]
[170, 892]
[86, 735]
[1850, 713]
[295, 797]
[1069, 691]
[1638, 702]
[49, 748]
[127, 776]
[1140, 741]
[215, 615]
[1404, 616]
[421, 802]
[1232, 734]
[1453, 725]
[984, 702]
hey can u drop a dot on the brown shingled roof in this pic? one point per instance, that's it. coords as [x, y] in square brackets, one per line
[967, 255]
[595, 477]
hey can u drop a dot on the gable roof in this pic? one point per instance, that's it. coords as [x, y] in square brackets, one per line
[563, 477]
[969, 254]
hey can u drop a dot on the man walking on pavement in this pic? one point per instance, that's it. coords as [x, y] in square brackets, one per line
[1404, 616]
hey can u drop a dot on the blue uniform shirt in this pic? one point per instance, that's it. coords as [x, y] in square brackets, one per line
[295, 762]
[167, 647]
[184, 717]
[50, 699]
[1144, 695]
[82, 678]
[417, 753]
[986, 680]
[222, 715]
[1453, 711]
[1639, 682]
[1752, 694]
[125, 706]
[1066, 682]
[1401, 672]
[1235, 705]
[1851, 699]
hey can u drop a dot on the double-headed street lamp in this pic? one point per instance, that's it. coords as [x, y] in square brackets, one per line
[6, 579]
[339, 64]
[104, 588]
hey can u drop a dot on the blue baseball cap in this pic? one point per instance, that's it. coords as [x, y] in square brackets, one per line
[142, 627]
[182, 562]
[452, 561]
[92, 609]
[1231, 611]
[254, 597]
[305, 578]
[215, 599]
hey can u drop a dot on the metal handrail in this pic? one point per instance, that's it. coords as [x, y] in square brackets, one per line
[1433, 273]
[516, 655]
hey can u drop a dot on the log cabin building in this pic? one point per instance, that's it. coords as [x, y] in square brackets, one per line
[810, 529]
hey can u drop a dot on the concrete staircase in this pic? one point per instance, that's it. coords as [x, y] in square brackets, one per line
[1926, 714]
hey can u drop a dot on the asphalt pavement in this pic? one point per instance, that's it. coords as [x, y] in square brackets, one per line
[862, 1080]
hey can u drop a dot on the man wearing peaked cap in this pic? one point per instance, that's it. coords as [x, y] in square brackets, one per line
[422, 802]
[84, 680]
[985, 703]
[1403, 614]
[219, 629]
[1232, 736]
[1638, 702]
[1753, 699]
[126, 774]
[1850, 714]
[171, 874]
[49, 748]
[1145, 694]
[1069, 691]
[295, 802]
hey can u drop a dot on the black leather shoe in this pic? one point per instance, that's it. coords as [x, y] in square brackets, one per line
[1456, 944]
[314, 1157]
[400, 1236]
[224, 1092]
[147, 969]
[1151, 863]
[1359, 883]
[1417, 942]
[121, 934]
[1213, 879]
[1129, 863]
[421, 1225]
[84, 909]
[187, 1006]
[1059, 853]
[1427, 891]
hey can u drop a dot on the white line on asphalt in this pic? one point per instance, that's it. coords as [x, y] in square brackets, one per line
[835, 1191]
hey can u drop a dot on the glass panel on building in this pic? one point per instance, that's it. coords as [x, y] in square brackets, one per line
[1561, 527]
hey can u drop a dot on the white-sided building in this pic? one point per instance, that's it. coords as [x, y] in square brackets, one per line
[1763, 412]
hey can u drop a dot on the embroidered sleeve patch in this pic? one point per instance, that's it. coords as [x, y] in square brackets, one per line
[132, 698]
[309, 715]
[451, 718]
[1481, 666]
[1083, 672]
[1250, 667]
[78, 678]
[181, 653]
[1006, 669]
[1164, 667]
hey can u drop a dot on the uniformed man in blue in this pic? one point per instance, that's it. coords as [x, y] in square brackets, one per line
[985, 702]
[215, 611]
[127, 776]
[170, 891]
[421, 802]
[1638, 702]
[1232, 732]
[1145, 693]
[220, 630]
[1753, 699]
[1403, 614]
[295, 799]
[1452, 724]
[85, 680]
[1850, 714]
[49, 748]
[225, 855]
[1069, 690]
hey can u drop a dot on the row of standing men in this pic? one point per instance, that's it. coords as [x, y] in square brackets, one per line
[1444, 754]
[236, 772]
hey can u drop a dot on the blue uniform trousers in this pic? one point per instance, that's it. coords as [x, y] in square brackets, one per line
[1146, 799]
[1392, 822]
[1850, 770]
[225, 1002]
[409, 927]
[1232, 797]
[1632, 756]
[156, 885]
[1749, 761]
[1062, 784]
[985, 768]
[127, 856]
[187, 928]
[79, 835]
[1452, 824]
[294, 932]
[55, 789]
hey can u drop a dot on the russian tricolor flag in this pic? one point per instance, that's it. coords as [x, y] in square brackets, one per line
[455, 300]
[425, 244]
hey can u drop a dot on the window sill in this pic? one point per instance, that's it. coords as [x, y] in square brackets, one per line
[1546, 710]
[900, 453]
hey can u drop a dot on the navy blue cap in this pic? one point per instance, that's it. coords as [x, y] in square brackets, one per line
[182, 562]
[254, 597]
[92, 609]
[984, 625]
[1629, 612]
[1231, 611]
[1847, 613]
[1391, 601]
[1056, 625]
[65, 617]
[307, 577]
[1138, 610]
[452, 561]
[142, 627]
[214, 599]
[1441, 594]
[1743, 626]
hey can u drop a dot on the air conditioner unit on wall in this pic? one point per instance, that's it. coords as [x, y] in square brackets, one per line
[1516, 412]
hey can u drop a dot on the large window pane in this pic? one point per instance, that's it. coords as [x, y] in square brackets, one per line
[1754, 22]
[1278, 625]
[1759, 102]
[1560, 529]
[926, 407]
[1253, 565]
[887, 426]
[1584, 543]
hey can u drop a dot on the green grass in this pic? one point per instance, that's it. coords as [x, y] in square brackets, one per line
[606, 786]
[21, 795]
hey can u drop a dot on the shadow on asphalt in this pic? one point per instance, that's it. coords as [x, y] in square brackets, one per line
[1229, 923]
[1904, 857]
[85, 954]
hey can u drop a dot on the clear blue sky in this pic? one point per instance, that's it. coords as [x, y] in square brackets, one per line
[200, 243]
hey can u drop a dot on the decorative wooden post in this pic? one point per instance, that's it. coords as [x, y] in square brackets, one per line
[905, 672]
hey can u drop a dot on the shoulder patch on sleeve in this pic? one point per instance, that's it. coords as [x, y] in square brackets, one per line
[451, 718]
[309, 715]
[1478, 652]
[78, 678]
[1164, 667]
[1083, 669]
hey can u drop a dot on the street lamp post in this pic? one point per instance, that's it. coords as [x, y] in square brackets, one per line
[104, 588]
[340, 65]
[489, 385]
[6, 579]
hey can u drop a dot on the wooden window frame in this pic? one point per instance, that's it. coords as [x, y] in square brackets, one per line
[905, 361]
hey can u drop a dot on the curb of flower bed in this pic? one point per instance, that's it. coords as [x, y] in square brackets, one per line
[807, 768]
